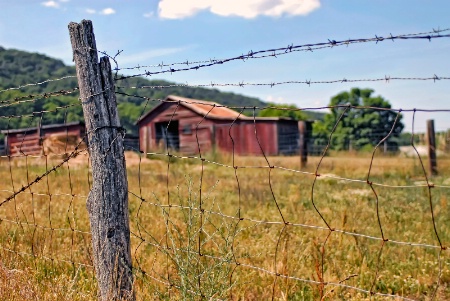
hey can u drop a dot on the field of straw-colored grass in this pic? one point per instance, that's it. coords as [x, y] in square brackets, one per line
[214, 232]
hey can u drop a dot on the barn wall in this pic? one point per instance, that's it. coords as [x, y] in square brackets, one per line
[266, 134]
[147, 129]
[188, 131]
[76, 130]
[30, 142]
[215, 133]
[244, 138]
[27, 143]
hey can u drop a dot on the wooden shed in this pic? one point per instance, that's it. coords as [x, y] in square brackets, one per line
[187, 125]
[56, 138]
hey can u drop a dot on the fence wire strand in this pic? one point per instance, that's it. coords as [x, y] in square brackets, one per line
[274, 52]
[285, 224]
[214, 225]
[243, 84]
[167, 244]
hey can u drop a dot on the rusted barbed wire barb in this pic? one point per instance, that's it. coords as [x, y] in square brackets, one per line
[35, 97]
[282, 51]
[113, 58]
[289, 48]
[39, 178]
[288, 109]
[308, 47]
[272, 84]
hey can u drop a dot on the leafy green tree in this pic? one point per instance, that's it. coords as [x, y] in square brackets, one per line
[281, 110]
[359, 128]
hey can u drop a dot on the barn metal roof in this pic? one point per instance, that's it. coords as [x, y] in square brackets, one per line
[209, 109]
[205, 108]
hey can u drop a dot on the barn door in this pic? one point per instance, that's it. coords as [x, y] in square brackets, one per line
[167, 134]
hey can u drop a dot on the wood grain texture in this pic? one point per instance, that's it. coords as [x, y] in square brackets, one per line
[107, 203]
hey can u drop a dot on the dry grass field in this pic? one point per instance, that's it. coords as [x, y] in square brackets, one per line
[213, 232]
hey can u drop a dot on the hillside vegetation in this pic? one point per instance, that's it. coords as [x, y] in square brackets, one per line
[20, 68]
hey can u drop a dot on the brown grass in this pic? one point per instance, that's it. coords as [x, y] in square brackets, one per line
[45, 242]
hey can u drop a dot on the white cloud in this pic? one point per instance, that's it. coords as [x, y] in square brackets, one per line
[175, 9]
[274, 99]
[53, 4]
[149, 14]
[108, 11]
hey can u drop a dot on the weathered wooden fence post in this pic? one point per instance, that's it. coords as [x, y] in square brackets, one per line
[107, 203]
[431, 141]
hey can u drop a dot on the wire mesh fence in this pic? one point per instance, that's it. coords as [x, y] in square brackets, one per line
[211, 221]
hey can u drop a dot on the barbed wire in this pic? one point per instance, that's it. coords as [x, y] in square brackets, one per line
[386, 79]
[40, 113]
[210, 240]
[35, 97]
[238, 108]
[274, 52]
[38, 83]
[284, 222]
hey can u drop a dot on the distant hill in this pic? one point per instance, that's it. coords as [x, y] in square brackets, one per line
[19, 68]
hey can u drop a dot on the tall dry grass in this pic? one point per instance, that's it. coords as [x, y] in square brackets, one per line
[237, 243]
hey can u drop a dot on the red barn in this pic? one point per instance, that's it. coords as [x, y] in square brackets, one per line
[185, 125]
[55, 138]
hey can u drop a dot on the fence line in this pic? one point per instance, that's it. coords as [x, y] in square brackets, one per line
[268, 224]
[272, 84]
[286, 223]
[274, 52]
[33, 98]
[37, 84]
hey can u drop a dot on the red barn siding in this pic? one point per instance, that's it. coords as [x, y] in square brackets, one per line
[245, 140]
[29, 141]
[199, 126]
[23, 143]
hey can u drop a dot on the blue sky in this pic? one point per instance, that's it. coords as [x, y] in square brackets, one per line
[168, 31]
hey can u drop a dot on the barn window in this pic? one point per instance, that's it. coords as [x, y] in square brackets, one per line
[187, 130]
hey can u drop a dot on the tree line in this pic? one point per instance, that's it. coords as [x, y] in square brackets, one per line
[357, 129]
